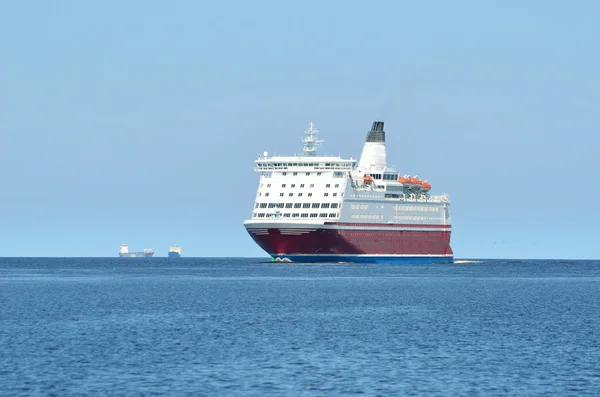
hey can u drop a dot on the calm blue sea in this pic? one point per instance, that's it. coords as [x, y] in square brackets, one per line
[246, 327]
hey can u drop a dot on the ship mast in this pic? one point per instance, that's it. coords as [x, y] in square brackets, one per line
[310, 140]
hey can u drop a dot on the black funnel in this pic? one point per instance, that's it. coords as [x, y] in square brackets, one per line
[377, 134]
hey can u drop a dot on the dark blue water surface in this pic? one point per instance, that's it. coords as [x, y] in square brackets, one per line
[229, 327]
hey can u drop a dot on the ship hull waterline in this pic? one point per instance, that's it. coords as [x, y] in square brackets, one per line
[332, 243]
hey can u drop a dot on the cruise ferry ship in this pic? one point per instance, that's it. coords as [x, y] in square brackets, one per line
[311, 208]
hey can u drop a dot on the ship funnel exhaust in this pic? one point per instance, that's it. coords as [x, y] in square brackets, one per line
[377, 134]
[373, 157]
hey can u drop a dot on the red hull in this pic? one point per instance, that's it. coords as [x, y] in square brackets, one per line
[333, 241]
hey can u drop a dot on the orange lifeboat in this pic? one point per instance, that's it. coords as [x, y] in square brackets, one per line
[367, 179]
[403, 180]
[415, 181]
[425, 186]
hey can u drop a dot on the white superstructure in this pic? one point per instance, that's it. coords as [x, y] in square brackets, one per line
[311, 187]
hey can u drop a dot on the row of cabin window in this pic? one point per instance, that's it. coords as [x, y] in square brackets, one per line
[345, 164]
[296, 215]
[421, 208]
[302, 185]
[415, 218]
[296, 205]
[336, 174]
[367, 216]
[299, 194]
[386, 177]
[296, 174]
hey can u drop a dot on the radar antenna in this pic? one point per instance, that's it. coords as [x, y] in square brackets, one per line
[310, 140]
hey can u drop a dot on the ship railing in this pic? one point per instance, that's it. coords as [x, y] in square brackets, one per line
[411, 198]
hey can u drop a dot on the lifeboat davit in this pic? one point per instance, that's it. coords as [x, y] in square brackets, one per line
[367, 179]
[425, 187]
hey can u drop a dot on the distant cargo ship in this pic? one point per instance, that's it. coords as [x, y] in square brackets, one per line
[124, 252]
[174, 252]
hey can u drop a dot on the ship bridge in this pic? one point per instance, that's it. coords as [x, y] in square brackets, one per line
[310, 161]
[303, 163]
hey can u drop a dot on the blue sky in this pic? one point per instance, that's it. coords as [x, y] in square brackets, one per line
[139, 121]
